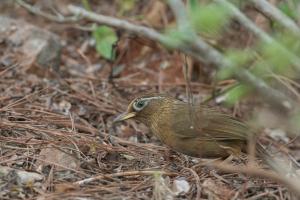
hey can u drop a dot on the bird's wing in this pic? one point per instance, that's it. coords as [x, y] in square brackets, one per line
[207, 124]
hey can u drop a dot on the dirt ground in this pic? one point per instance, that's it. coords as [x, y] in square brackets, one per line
[56, 110]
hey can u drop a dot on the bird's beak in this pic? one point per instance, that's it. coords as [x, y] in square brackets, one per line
[124, 116]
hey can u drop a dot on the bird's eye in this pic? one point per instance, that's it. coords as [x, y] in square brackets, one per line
[139, 105]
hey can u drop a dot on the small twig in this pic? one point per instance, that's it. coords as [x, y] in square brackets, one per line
[251, 147]
[213, 173]
[58, 165]
[294, 160]
[37, 11]
[22, 100]
[9, 68]
[285, 81]
[261, 195]
[120, 174]
[215, 96]
[291, 183]
[140, 184]
[197, 180]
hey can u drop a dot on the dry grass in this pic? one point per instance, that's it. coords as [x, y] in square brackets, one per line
[99, 164]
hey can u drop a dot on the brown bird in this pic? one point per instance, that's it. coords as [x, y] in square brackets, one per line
[194, 130]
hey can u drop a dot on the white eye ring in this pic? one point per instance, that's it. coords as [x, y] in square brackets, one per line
[140, 104]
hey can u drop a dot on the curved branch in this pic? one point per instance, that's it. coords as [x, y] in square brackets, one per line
[198, 49]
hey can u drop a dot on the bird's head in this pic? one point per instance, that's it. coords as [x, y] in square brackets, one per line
[146, 107]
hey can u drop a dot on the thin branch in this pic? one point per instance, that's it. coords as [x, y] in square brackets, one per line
[245, 21]
[210, 54]
[181, 16]
[198, 49]
[114, 22]
[272, 12]
[37, 11]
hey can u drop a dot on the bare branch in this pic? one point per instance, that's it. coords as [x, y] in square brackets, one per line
[245, 21]
[214, 57]
[181, 15]
[197, 48]
[37, 11]
[271, 11]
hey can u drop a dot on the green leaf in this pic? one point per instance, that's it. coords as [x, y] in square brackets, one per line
[235, 94]
[238, 58]
[209, 19]
[260, 68]
[125, 6]
[289, 10]
[193, 4]
[105, 39]
[175, 37]
[289, 40]
[276, 57]
[86, 4]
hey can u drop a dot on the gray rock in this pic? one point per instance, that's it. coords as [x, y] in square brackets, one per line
[39, 50]
[23, 177]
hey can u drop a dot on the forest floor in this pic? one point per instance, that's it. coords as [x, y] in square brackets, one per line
[56, 132]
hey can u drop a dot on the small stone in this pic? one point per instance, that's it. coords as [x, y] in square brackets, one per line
[181, 186]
